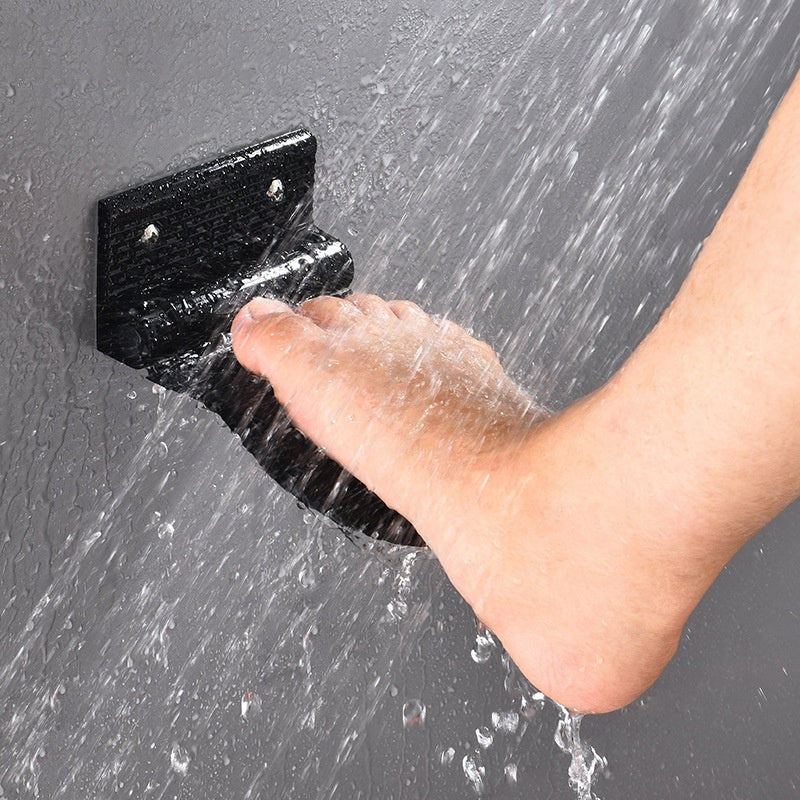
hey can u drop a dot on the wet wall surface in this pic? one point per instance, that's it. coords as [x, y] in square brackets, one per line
[173, 625]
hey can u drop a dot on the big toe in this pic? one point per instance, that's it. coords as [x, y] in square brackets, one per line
[274, 341]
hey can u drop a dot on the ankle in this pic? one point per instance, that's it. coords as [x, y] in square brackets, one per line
[597, 498]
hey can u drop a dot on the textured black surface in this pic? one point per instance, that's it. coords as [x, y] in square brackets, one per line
[171, 250]
[211, 220]
[178, 256]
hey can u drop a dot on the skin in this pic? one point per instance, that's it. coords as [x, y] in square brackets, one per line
[584, 540]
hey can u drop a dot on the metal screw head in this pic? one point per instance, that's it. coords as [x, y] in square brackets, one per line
[149, 235]
[275, 191]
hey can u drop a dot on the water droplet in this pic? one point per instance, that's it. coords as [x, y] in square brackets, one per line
[165, 529]
[413, 714]
[484, 736]
[163, 636]
[251, 704]
[510, 772]
[447, 756]
[572, 160]
[308, 638]
[179, 759]
[484, 645]
[55, 697]
[475, 772]
[306, 576]
[163, 449]
[505, 721]
[310, 720]
[397, 608]
[131, 395]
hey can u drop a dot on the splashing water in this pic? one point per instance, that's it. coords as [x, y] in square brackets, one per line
[585, 763]
[484, 736]
[414, 714]
[251, 704]
[510, 772]
[505, 721]
[475, 772]
[484, 645]
[179, 759]
[397, 606]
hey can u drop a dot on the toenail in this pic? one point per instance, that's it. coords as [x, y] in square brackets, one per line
[244, 319]
[257, 309]
[260, 307]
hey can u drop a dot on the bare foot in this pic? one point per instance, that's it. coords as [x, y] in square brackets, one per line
[532, 531]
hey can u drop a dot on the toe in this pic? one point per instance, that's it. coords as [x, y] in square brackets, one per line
[405, 309]
[455, 335]
[373, 306]
[265, 332]
[331, 313]
[485, 350]
[449, 330]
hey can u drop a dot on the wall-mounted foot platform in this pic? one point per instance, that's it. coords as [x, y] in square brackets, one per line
[178, 256]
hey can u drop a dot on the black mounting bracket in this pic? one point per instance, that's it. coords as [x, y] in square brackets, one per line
[177, 257]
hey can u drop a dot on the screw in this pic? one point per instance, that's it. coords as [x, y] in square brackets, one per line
[150, 234]
[275, 191]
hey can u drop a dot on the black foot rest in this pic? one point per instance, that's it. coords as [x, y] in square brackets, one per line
[176, 258]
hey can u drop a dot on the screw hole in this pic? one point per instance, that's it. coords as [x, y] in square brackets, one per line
[149, 235]
[275, 191]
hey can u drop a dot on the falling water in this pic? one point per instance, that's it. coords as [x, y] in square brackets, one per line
[174, 624]
[585, 763]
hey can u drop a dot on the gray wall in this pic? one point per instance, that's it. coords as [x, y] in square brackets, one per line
[542, 171]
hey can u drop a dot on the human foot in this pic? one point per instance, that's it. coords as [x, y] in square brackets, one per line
[426, 417]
